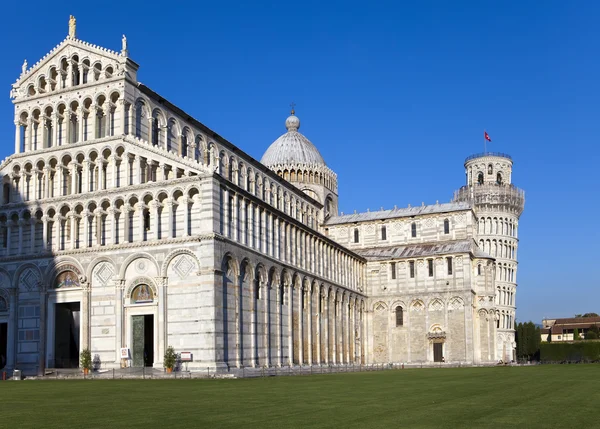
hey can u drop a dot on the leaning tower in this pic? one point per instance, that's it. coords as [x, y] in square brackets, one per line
[498, 204]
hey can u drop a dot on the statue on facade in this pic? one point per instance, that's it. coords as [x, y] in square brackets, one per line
[24, 67]
[124, 43]
[72, 25]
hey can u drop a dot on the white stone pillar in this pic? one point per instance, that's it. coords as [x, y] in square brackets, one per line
[17, 137]
[80, 121]
[168, 206]
[20, 224]
[126, 227]
[32, 222]
[44, 233]
[112, 166]
[131, 128]
[119, 340]
[184, 202]
[140, 213]
[113, 225]
[100, 165]
[11, 358]
[155, 219]
[86, 227]
[309, 322]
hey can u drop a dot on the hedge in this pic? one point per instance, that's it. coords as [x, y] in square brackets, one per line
[573, 352]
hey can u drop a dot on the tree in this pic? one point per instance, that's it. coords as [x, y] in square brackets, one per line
[576, 335]
[590, 315]
[528, 337]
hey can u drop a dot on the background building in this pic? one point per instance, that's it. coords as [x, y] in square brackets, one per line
[125, 223]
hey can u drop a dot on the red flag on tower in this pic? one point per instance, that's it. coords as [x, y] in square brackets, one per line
[486, 136]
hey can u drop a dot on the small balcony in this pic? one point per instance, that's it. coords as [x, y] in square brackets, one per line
[492, 194]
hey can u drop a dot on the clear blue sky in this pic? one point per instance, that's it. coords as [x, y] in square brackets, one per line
[394, 94]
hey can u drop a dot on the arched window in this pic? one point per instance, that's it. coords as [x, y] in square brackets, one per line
[480, 178]
[184, 145]
[142, 294]
[446, 226]
[413, 229]
[490, 169]
[356, 237]
[478, 270]
[3, 307]
[393, 270]
[399, 316]
[499, 179]
[6, 193]
[383, 233]
[155, 131]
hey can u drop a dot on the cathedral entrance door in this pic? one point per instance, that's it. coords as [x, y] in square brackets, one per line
[3, 344]
[142, 340]
[66, 335]
[437, 352]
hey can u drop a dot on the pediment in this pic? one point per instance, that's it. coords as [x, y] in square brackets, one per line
[38, 78]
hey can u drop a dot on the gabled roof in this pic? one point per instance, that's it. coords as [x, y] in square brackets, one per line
[68, 41]
[399, 212]
[422, 249]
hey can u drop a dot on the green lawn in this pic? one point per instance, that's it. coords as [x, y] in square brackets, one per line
[548, 396]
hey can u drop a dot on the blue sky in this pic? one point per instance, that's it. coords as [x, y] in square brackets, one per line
[394, 94]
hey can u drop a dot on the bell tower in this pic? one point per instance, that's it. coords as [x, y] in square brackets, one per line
[498, 204]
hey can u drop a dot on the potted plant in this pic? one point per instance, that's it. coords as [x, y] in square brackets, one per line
[170, 359]
[85, 359]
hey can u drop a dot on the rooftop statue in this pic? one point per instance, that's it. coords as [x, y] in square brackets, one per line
[72, 26]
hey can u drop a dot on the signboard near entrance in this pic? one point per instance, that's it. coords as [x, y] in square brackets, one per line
[124, 353]
[186, 356]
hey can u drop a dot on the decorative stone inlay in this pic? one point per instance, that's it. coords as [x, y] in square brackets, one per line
[417, 306]
[439, 335]
[436, 305]
[103, 273]
[456, 303]
[140, 266]
[29, 280]
[183, 266]
[380, 306]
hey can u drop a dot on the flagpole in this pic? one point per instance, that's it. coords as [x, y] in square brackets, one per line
[484, 143]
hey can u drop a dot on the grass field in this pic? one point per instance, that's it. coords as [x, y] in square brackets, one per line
[547, 396]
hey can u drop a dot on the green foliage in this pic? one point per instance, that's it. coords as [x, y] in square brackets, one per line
[528, 337]
[587, 351]
[85, 359]
[170, 358]
[587, 315]
[594, 331]
[576, 335]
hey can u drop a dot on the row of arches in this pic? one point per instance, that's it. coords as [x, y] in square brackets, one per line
[68, 122]
[79, 172]
[505, 272]
[505, 296]
[164, 214]
[499, 248]
[70, 71]
[316, 175]
[152, 124]
[495, 225]
[248, 223]
[273, 317]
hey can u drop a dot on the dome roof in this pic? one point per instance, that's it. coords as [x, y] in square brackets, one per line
[292, 148]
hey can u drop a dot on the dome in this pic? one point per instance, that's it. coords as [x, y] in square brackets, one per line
[292, 148]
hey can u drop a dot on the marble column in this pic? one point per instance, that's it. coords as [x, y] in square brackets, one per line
[119, 319]
[17, 137]
[11, 358]
[42, 342]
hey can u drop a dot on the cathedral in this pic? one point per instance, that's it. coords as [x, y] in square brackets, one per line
[127, 226]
